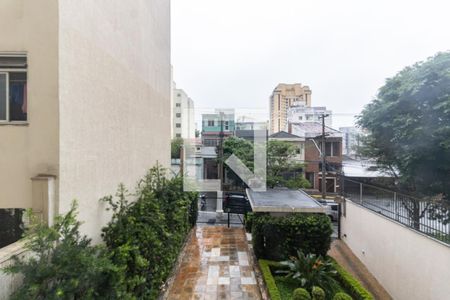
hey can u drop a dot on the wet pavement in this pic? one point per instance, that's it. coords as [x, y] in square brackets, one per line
[216, 264]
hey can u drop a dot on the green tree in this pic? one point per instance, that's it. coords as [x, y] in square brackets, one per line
[408, 126]
[175, 147]
[63, 265]
[282, 169]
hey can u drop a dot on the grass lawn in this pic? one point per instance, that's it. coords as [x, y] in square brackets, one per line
[285, 286]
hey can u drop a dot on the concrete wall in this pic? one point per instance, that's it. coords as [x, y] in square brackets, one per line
[115, 85]
[9, 283]
[30, 149]
[408, 264]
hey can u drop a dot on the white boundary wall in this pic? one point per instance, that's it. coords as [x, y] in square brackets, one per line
[9, 283]
[408, 264]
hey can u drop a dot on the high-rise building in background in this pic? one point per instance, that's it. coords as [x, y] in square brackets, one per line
[183, 115]
[283, 97]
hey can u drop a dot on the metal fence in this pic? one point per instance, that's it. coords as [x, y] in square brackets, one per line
[415, 213]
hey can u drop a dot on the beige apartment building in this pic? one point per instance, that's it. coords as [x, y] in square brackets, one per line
[283, 97]
[84, 101]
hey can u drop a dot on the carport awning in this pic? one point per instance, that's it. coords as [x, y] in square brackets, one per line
[283, 200]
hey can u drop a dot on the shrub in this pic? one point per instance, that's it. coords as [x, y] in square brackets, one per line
[147, 235]
[342, 296]
[350, 284]
[268, 278]
[248, 222]
[301, 294]
[277, 238]
[311, 270]
[63, 265]
[318, 293]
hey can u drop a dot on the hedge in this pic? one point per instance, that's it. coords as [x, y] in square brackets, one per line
[350, 284]
[272, 288]
[146, 236]
[277, 238]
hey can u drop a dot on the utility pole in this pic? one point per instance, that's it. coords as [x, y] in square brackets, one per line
[219, 206]
[323, 154]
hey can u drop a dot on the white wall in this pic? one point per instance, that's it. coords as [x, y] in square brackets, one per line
[9, 283]
[115, 85]
[409, 265]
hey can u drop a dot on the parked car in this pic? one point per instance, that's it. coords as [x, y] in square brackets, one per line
[331, 209]
[235, 202]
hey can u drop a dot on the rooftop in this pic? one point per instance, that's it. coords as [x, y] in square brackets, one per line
[283, 200]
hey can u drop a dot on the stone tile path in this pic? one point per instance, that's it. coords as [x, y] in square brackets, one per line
[215, 265]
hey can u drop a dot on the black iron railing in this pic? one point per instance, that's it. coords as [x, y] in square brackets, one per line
[415, 213]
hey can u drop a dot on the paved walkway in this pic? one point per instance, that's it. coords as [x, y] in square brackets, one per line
[348, 260]
[215, 265]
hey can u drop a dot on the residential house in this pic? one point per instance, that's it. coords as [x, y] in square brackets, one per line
[297, 141]
[217, 124]
[312, 133]
[299, 112]
[247, 130]
[84, 102]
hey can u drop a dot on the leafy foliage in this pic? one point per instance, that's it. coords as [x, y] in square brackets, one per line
[282, 168]
[268, 278]
[350, 284]
[311, 270]
[147, 235]
[342, 296]
[63, 265]
[278, 238]
[408, 127]
[301, 294]
[318, 293]
[175, 147]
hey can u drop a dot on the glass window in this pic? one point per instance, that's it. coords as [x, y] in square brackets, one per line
[3, 96]
[17, 96]
[178, 115]
[13, 88]
[178, 125]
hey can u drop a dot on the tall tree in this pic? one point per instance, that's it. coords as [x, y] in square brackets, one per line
[408, 127]
[282, 169]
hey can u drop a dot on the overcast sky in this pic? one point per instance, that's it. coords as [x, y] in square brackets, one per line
[232, 53]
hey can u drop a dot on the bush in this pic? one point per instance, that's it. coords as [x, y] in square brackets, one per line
[277, 238]
[311, 270]
[63, 265]
[350, 284]
[248, 218]
[342, 296]
[301, 294]
[318, 293]
[268, 278]
[147, 235]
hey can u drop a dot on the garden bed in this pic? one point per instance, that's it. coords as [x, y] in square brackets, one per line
[282, 288]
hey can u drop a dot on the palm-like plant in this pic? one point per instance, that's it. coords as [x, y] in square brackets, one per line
[311, 270]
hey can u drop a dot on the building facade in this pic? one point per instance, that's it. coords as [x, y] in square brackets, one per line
[183, 115]
[221, 121]
[299, 112]
[283, 97]
[312, 132]
[84, 102]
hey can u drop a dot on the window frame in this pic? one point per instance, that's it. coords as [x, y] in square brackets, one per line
[6, 120]
[7, 71]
